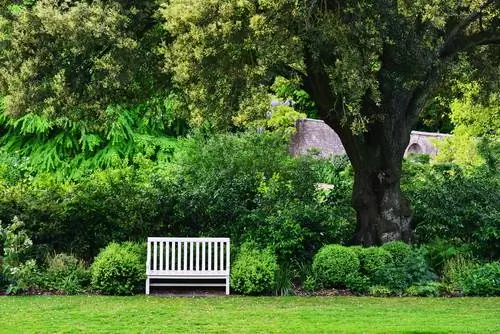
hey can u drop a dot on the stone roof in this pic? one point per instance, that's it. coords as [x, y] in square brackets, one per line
[315, 135]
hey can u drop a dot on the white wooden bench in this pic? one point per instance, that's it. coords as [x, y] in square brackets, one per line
[187, 259]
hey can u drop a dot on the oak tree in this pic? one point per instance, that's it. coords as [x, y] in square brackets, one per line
[369, 66]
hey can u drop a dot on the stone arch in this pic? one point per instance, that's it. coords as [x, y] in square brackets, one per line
[414, 149]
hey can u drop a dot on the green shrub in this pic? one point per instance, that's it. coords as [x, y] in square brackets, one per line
[438, 251]
[65, 274]
[372, 259]
[455, 270]
[310, 283]
[23, 277]
[379, 291]
[248, 187]
[357, 283]
[483, 280]
[333, 264]
[417, 269]
[119, 269]
[430, 289]
[392, 277]
[285, 278]
[407, 266]
[84, 215]
[455, 203]
[400, 252]
[245, 186]
[18, 272]
[254, 271]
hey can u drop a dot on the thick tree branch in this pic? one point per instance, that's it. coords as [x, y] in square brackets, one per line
[455, 41]
[467, 42]
[480, 38]
[317, 83]
[448, 48]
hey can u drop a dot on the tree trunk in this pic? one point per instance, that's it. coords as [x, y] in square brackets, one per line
[383, 213]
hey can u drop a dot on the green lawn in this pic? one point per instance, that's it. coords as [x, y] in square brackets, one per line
[153, 314]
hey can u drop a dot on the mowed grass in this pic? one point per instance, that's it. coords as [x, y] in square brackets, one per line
[156, 314]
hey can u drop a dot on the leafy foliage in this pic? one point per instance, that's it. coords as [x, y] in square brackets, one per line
[456, 270]
[254, 271]
[73, 147]
[440, 251]
[247, 186]
[400, 252]
[431, 289]
[394, 266]
[483, 280]
[369, 68]
[119, 269]
[82, 217]
[379, 291]
[456, 204]
[75, 74]
[475, 118]
[65, 274]
[333, 264]
[16, 270]
[371, 260]
[290, 90]
[53, 65]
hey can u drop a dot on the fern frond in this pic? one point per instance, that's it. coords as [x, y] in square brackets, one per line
[89, 142]
[32, 124]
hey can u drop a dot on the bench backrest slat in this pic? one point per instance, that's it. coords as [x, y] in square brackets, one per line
[188, 255]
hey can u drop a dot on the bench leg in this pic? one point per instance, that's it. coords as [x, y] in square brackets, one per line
[147, 286]
[227, 285]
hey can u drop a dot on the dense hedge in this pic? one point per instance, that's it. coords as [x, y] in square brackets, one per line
[244, 186]
[65, 274]
[454, 203]
[82, 217]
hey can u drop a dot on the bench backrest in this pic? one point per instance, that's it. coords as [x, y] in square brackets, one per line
[188, 256]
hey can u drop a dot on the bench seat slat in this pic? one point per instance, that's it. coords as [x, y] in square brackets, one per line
[187, 284]
[188, 274]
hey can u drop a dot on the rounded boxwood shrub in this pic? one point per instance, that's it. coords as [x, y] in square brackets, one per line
[334, 266]
[483, 280]
[254, 271]
[372, 259]
[119, 269]
[399, 251]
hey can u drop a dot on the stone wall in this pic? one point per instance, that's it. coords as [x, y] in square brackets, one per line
[315, 135]
[422, 142]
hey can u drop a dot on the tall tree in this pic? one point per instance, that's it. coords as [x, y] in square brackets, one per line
[369, 66]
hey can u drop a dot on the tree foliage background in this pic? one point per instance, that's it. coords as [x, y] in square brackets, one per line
[89, 85]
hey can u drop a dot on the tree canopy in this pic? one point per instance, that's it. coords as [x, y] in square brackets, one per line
[369, 67]
[75, 58]
[224, 49]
